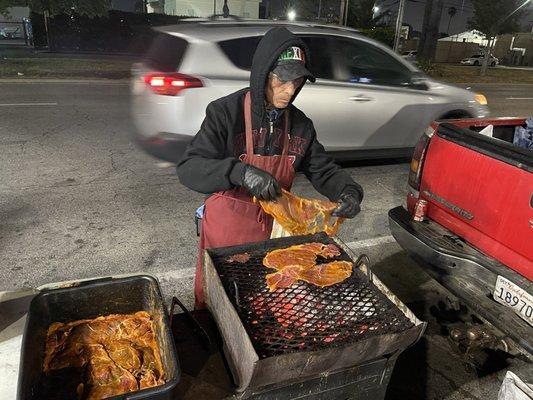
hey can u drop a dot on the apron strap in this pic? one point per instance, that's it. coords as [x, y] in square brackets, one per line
[248, 128]
[248, 125]
[286, 135]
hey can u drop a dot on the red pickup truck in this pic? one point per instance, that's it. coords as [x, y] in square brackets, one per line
[476, 238]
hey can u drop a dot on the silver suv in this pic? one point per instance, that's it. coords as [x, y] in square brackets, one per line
[367, 101]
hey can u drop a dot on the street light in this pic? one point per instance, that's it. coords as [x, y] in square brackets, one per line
[291, 15]
[375, 9]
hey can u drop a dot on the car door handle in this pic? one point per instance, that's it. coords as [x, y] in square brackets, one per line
[361, 97]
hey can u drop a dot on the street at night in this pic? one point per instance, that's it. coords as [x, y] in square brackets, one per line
[80, 200]
[266, 199]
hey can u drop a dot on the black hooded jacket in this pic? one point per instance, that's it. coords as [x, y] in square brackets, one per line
[211, 161]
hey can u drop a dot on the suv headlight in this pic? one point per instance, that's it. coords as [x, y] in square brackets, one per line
[481, 99]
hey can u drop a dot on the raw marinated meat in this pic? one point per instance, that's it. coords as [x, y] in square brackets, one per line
[300, 216]
[117, 354]
[302, 254]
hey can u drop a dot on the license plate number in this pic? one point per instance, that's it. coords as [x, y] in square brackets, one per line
[513, 296]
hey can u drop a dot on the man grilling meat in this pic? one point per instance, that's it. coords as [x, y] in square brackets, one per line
[251, 143]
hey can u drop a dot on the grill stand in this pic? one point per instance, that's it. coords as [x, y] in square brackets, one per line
[252, 374]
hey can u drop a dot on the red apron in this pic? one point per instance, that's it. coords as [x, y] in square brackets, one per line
[230, 217]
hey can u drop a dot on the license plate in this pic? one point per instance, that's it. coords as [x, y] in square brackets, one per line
[513, 296]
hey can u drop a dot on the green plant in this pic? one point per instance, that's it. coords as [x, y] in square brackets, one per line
[430, 68]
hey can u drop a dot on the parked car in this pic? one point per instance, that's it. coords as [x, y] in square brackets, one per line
[477, 236]
[366, 102]
[410, 56]
[477, 59]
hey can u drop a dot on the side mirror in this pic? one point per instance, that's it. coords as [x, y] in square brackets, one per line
[419, 81]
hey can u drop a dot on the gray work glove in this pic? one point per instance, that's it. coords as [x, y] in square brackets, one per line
[349, 206]
[260, 183]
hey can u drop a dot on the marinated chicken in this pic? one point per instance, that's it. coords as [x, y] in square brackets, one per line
[299, 262]
[319, 275]
[115, 354]
[301, 254]
[300, 216]
[327, 274]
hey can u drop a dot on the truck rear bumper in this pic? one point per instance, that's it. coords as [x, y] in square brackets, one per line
[463, 270]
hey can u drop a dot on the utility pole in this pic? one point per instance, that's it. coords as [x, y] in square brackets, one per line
[341, 12]
[399, 20]
[430, 34]
[346, 13]
[47, 29]
[319, 8]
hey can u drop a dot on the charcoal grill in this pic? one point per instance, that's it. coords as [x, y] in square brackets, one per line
[271, 338]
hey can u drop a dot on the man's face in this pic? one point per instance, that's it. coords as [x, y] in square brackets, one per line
[279, 93]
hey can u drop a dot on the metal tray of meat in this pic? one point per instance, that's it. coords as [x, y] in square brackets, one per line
[86, 300]
[303, 330]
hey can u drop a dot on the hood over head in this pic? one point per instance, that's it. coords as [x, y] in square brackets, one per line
[275, 42]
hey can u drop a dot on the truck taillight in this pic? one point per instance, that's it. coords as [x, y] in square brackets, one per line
[417, 162]
[171, 84]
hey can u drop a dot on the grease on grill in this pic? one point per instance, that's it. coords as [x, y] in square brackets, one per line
[305, 317]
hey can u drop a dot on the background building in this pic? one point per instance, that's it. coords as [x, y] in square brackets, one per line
[205, 8]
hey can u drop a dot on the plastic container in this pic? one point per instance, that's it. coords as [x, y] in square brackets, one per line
[90, 299]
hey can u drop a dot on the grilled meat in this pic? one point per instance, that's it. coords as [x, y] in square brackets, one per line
[303, 255]
[299, 263]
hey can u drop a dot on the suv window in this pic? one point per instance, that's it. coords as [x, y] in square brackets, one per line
[166, 52]
[240, 51]
[320, 64]
[360, 62]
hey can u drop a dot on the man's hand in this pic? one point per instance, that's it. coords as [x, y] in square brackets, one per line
[349, 206]
[260, 183]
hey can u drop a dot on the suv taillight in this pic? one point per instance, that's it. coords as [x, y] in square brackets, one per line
[171, 84]
[417, 162]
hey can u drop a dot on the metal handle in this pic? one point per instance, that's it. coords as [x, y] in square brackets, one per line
[360, 97]
[203, 334]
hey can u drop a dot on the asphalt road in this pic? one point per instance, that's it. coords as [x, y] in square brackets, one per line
[79, 200]
[507, 100]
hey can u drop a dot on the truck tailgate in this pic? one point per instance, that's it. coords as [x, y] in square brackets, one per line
[482, 194]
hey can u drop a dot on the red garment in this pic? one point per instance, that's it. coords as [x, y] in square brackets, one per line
[230, 217]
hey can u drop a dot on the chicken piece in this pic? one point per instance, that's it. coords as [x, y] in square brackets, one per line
[118, 353]
[284, 277]
[105, 377]
[326, 274]
[299, 263]
[303, 255]
[300, 216]
[319, 275]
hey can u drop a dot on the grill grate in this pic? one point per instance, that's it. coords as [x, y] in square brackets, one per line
[305, 317]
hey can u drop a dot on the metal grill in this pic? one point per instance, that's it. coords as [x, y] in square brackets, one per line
[305, 317]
